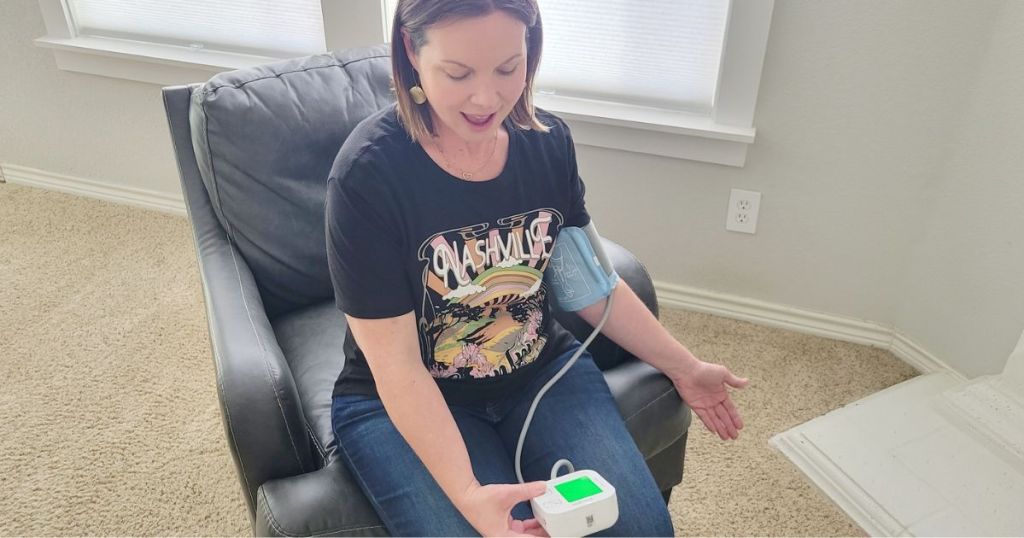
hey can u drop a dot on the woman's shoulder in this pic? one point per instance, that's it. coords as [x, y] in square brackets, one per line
[558, 130]
[551, 145]
[549, 118]
[376, 139]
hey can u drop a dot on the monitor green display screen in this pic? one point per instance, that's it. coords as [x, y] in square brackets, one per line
[577, 489]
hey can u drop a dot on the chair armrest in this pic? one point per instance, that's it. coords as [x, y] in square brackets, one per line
[656, 417]
[327, 502]
[259, 401]
[260, 406]
[654, 413]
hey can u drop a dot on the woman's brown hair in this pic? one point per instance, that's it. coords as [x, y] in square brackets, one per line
[416, 16]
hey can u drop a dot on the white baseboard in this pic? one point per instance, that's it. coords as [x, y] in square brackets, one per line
[805, 321]
[148, 199]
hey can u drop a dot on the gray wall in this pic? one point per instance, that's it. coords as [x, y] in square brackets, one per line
[97, 128]
[962, 290]
[887, 152]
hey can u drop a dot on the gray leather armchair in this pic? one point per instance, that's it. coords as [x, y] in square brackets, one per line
[254, 148]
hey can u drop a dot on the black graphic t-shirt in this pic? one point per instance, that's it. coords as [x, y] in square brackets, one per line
[468, 258]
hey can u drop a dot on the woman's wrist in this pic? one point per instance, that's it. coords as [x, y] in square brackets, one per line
[467, 493]
[681, 363]
[466, 506]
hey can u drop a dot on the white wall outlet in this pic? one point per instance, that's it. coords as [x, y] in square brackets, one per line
[743, 209]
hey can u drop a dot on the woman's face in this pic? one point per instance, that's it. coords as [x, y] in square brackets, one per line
[473, 71]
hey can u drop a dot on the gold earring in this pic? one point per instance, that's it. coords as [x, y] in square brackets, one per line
[417, 95]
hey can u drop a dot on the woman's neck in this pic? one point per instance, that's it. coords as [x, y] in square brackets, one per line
[456, 145]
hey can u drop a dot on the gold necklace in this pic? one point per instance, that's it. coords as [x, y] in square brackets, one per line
[462, 172]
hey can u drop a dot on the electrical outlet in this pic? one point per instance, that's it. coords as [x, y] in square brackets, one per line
[742, 213]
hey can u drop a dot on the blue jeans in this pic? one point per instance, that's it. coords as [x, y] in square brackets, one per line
[576, 419]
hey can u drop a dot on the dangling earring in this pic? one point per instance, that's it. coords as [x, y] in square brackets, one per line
[417, 95]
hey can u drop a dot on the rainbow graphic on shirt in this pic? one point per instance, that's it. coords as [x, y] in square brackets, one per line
[483, 295]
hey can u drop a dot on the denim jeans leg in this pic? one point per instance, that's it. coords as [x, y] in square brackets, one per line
[398, 485]
[577, 419]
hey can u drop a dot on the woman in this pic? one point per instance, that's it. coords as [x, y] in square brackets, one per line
[441, 215]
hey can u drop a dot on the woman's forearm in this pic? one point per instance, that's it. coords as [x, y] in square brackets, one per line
[634, 328]
[419, 412]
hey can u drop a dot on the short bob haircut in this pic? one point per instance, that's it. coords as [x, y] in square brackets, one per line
[416, 16]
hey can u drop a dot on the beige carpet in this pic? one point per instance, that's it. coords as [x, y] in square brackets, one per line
[110, 418]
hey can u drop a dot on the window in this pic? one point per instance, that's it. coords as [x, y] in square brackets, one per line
[677, 78]
[662, 53]
[165, 42]
[262, 27]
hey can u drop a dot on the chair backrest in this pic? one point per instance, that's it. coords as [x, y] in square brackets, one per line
[265, 138]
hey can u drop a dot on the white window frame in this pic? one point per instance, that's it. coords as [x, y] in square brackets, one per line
[721, 137]
[347, 24]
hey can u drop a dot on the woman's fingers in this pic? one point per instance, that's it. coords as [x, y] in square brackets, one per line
[736, 382]
[531, 524]
[533, 528]
[711, 420]
[720, 428]
[703, 415]
[726, 420]
[529, 527]
[736, 418]
[539, 531]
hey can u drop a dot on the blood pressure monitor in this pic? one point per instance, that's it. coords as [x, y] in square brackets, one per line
[576, 504]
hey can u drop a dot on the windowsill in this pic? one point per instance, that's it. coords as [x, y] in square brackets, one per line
[643, 117]
[165, 65]
[654, 131]
[632, 128]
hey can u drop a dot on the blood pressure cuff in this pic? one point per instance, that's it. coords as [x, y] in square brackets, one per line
[579, 273]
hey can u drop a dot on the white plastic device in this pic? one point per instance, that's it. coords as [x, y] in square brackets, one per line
[576, 504]
[581, 502]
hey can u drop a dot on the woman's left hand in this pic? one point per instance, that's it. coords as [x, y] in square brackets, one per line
[703, 388]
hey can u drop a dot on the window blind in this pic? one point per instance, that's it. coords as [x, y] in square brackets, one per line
[276, 28]
[653, 52]
[663, 53]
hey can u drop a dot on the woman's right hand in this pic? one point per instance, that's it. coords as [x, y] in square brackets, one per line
[489, 508]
